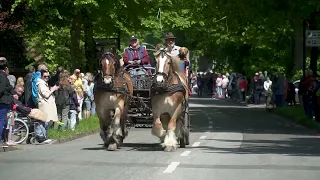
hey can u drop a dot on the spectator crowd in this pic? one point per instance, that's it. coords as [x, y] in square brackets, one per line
[273, 89]
[65, 98]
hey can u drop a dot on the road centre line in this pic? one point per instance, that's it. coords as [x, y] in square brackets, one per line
[185, 153]
[195, 144]
[171, 167]
[202, 137]
[210, 127]
[210, 122]
[209, 117]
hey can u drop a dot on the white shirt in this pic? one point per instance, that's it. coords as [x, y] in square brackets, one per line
[267, 85]
[175, 50]
[225, 82]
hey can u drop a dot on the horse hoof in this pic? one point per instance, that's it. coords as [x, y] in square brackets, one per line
[170, 149]
[162, 139]
[112, 147]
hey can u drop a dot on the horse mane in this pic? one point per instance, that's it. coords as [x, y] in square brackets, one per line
[175, 64]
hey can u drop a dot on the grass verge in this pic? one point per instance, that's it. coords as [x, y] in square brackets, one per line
[84, 126]
[297, 114]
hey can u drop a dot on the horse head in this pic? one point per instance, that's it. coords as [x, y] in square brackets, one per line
[109, 67]
[165, 66]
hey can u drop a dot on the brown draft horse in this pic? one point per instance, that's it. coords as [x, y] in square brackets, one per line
[112, 93]
[167, 103]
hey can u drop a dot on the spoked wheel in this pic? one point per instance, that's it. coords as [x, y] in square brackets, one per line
[185, 128]
[20, 132]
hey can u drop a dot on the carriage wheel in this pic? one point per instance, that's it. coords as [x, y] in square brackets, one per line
[185, 129]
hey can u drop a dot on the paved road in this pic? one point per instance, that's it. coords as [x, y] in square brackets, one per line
[229, 142]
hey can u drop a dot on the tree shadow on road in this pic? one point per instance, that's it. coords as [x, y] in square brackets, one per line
[290, 147]
[263, 132]
[131, 147]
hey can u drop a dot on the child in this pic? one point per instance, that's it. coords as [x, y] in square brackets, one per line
[74, 107]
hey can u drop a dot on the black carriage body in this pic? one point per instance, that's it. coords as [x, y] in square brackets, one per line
[140, 104]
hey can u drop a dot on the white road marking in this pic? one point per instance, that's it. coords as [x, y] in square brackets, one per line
[210, 127]
[209, 117]
[195, 144]
[210, 122]
[202, 137]
[185, 153]
[171, 167]
[208, 132]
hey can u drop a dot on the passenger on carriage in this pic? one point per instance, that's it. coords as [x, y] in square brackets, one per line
[170, 41]
[135, 55]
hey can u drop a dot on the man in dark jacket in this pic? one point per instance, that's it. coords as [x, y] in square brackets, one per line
[5, 94]
[55, 79]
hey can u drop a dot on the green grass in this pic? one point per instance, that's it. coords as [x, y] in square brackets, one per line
[84, 126]
[297, 114]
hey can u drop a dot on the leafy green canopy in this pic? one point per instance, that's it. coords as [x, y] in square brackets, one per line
[243, 35]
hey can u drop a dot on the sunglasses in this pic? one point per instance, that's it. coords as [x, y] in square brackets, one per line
[46, 76]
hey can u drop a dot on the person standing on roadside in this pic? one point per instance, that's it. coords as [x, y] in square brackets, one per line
[28, 88]
[5, 94]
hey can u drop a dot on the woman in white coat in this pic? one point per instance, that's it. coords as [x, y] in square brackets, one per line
[46, 100]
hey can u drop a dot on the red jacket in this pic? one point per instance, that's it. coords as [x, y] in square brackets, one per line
[243, 84]
[140, 53]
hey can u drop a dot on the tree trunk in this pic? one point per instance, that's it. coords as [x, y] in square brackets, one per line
[314, 50]
[90, 49]
[298, 47]
[75, 32]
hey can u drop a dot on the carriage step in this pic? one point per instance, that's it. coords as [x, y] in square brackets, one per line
[143, 125]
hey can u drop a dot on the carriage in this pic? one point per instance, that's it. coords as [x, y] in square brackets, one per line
[140, 112]
[131, 94]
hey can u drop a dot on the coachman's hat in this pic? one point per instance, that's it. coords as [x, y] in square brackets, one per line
[169, 35]
[133, 38]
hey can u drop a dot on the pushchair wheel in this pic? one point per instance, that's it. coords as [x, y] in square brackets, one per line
[33, 140]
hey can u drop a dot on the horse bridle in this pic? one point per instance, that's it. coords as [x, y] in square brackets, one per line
[106, 55]
[165, 75]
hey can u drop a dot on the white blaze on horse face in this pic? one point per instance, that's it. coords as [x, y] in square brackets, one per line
[107, 61]
[107, 80]
[162, 62]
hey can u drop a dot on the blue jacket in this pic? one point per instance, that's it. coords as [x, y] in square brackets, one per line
[35, 77]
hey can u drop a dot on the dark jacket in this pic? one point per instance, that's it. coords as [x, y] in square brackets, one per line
[6, 89]
[28, 90]
[25, 111]
[74, 104]
[63, 95]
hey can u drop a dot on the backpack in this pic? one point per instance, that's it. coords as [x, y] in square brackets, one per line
[34, 87]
